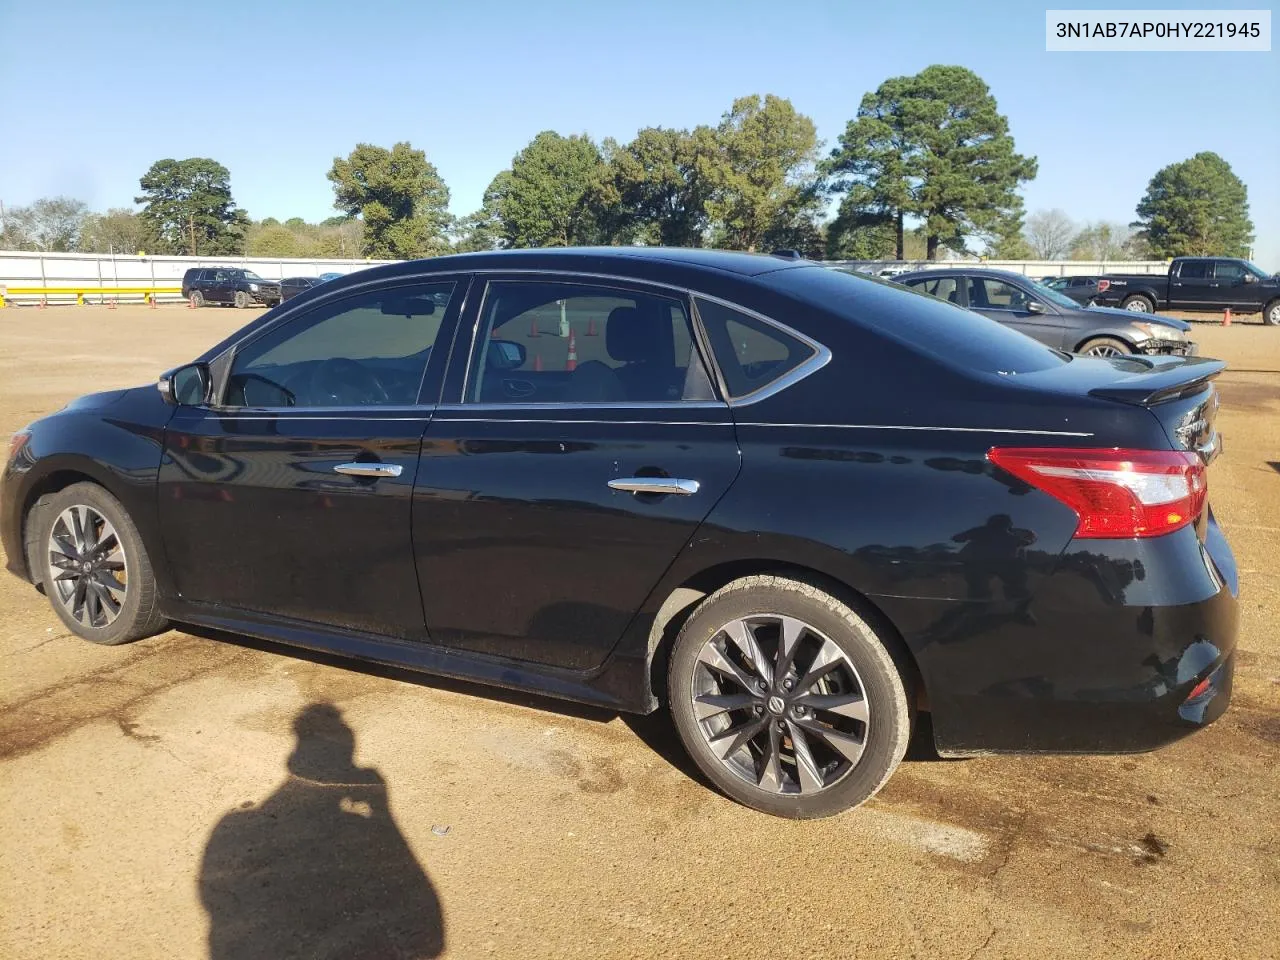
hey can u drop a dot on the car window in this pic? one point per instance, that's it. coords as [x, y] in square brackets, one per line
[924, 324]
[367, 350]
[751, 353]
[551, 342]
[944, 288]
[990, 294]
[1194, 269]
[1228, 270]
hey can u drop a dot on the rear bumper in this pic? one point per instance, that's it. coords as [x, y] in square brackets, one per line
[1095, 656]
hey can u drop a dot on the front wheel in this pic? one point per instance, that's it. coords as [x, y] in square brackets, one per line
[241, 299]
[197, 298]
[1137, 304]
[93, 566]
[1271, 314]
[1105, 347]
[787, 699]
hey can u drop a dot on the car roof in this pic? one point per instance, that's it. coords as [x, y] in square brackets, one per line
[602, 258]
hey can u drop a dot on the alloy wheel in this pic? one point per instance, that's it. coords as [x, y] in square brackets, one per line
[780, 704]
[1103, 350]
[1137, 306]
[88, 573]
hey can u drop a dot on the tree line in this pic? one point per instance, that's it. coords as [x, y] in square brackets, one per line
[926, 166]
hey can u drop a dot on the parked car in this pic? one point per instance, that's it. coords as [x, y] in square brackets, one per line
[1049, 315]
[791, 505]
[292, 286]
[228, 285]
[1080, 289]
[1198, 283]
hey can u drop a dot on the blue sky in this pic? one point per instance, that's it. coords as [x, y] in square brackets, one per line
[91, 93]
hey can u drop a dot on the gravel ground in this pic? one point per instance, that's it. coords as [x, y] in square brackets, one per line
[189, 796]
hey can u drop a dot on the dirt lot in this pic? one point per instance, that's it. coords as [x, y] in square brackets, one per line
[146, 791]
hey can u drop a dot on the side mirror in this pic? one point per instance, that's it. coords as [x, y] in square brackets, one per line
[1035, 306]
[1250, 278]
[185, 386]
[505, 355]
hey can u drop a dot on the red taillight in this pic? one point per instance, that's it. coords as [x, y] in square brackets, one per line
[1103, 285]
[1115, 493]
[1198, 689]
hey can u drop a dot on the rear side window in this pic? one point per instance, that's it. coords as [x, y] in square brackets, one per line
[1194, 270]
[944, 288]
[953, 335]
[752, 353]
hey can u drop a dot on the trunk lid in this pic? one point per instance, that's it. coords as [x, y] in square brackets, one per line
[1179, 392]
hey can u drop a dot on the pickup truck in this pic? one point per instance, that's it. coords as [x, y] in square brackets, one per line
[1196, 283]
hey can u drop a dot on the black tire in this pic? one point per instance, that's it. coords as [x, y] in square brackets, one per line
[887, 694]
[1271, 314]
[197, 298]
[241, 300]
[138, 615]
[1105, 347]
[1137, 303]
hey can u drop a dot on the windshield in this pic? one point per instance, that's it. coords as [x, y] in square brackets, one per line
[250, 275]
[1053, 296]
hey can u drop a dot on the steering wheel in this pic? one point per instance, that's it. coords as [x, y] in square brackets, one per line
[344, 381]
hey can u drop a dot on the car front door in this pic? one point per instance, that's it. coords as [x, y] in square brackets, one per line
[583, 446]
[1193, 287]
[218, 289]
[1232, 290]
[1010, 304]
[291, 495]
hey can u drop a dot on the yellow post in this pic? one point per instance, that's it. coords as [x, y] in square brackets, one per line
[1, 303]
[79, 299]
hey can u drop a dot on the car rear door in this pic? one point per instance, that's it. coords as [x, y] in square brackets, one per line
[1009, 303]
[291, 497]
[1192, 286]
[582, 446]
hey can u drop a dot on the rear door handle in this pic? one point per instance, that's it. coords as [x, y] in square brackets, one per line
[655, 485]
[369, 469]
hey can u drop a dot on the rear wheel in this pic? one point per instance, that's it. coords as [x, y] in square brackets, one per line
[94, 568]
[1105, 347]
[197, 298]
[787, 699]
[1271, 313]
[241, 299]
[1137, 303]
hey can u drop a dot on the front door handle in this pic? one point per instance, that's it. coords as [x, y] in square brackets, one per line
[655, 485]
[369, 469]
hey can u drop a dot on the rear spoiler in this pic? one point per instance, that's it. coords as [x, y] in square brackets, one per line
[1167, 378]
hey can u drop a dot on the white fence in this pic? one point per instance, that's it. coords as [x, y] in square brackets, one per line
[65, 277]
[1029, 268]
[69, 277]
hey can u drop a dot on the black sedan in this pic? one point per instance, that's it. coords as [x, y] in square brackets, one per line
[792, 506]
[290, 287]
[1080, 289]
[1049, 315]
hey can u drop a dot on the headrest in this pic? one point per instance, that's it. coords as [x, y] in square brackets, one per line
[626, 337]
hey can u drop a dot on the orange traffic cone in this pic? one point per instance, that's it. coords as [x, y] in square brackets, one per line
[44, 303]
[591, 327]
[572, 362]
[111, 304]
[1226, 317]
[537, 361]
[533, 327]
[152, 299]
[191, 303]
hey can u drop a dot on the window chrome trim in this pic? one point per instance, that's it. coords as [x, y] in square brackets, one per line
[605, 423]
[820, 358]
[589, 405]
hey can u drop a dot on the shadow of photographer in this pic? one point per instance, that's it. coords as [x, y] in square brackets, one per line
[319, 869]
